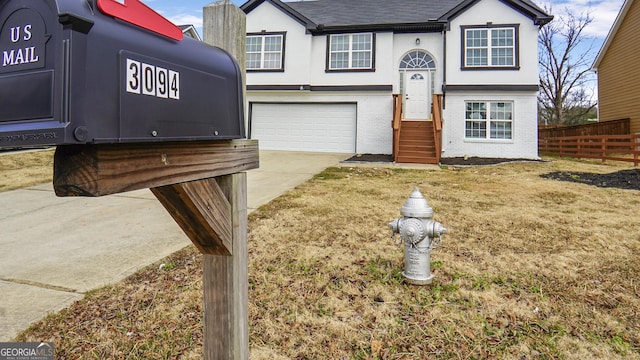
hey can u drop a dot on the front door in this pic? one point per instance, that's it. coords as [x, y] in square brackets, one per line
[417, 104]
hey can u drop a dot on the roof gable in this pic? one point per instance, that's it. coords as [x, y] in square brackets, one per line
[326, 16]
[190, 30]
[252, 4]
[525, 7]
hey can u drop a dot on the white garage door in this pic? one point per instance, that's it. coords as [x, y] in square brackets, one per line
[305, 127]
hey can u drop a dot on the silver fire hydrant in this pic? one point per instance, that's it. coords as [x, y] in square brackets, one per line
[420, 235]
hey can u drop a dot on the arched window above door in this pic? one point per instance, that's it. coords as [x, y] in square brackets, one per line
[417, 60]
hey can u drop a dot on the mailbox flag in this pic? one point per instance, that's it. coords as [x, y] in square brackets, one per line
[137, 13]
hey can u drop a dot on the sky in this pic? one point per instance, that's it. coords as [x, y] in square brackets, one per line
[603, 13]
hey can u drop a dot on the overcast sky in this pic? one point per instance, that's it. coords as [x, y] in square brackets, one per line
[603, 12]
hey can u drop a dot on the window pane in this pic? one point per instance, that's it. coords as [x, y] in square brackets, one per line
[339, 42]
[350, 51]
[501, 111]
[500, 115]
[417, 60]
[476, 110]
[477, 57]
[253, 61]
[264, 51]
[476, 125]
[361, 60]
[502, 37]
[501, 130]
[501, 57]
[476, 129]
[254, 43]
[272, 61]
[339, 60]
[361, 42]
[490, 47]
[273, 43]
[477, 38]
[502, 52]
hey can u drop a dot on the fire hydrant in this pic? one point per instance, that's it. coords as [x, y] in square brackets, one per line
[420, 235]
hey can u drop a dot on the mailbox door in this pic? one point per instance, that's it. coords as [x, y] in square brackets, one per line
[30, 106]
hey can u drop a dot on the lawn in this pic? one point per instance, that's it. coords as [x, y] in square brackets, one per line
[25, 169]
[532, 268]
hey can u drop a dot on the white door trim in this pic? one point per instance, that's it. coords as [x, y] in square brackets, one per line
[417, 94]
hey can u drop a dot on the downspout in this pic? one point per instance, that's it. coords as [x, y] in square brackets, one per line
[444, 66]
[444, 84]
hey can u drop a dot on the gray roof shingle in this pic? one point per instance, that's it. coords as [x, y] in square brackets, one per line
[397, 15]
[363, 12]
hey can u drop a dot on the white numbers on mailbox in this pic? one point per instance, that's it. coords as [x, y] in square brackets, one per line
[147, 79]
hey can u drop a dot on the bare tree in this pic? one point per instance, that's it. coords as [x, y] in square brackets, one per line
[565, 57]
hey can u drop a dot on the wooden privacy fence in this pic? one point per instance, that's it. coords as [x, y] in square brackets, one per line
[611, 127]
[604, 147]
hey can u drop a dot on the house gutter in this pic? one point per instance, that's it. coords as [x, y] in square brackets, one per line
[323, 29]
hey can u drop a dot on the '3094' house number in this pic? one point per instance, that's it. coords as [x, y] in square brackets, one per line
[147, 79]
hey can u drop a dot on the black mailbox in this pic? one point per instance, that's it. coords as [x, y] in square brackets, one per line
[110, 71]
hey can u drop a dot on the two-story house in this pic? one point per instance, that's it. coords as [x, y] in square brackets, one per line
[322, 74]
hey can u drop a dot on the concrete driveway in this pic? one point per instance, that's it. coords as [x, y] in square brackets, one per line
[53, 250]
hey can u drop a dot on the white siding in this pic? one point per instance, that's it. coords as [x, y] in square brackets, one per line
[297, 55]
[381, 75]
[496, 12]
[524, 143]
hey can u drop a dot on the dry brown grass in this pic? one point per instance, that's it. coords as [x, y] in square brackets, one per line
[531, 269]
[25, 169]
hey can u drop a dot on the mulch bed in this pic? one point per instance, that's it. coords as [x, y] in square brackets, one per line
[623, 179]
[374, 158]
[455, 161]
[478, 161]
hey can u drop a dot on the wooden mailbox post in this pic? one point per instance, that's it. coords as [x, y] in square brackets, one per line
[204, 187]
[202, 184]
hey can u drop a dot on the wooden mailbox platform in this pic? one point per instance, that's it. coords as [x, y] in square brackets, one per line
[204, 187]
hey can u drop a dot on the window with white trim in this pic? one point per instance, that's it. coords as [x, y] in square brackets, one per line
[350, 52]
[493, 47]
[265, 52]
[488, 120]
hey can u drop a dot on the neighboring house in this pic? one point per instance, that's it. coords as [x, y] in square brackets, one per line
[321, 74]
[190, 31]
[618, 69]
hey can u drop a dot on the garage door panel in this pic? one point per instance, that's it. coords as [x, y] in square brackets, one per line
[305, 127]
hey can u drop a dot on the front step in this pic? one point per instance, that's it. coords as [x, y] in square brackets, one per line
[416, 143]
[416, 160]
